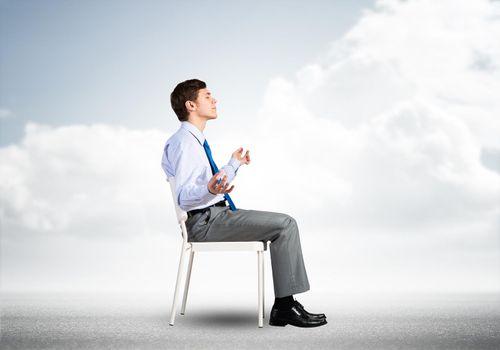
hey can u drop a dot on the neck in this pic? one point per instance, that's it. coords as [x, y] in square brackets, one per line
[198, 122]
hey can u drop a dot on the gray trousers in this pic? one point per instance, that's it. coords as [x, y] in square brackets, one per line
[220, 224]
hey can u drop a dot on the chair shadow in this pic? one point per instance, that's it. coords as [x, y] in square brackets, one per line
[217, 318]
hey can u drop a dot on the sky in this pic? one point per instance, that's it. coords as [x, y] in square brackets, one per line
[373, 123]
[115, 62]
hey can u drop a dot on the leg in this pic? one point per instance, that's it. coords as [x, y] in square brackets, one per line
[221, 224]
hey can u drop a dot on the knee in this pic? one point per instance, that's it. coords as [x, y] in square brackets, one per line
[286, 227]
[288, 222]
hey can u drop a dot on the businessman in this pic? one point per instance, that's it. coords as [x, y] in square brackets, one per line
[202, 190]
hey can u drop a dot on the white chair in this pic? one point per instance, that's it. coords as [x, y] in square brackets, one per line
[192, 247]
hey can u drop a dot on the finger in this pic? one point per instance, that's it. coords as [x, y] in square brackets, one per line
[215, 179]
[223, 183]
[215, 188]
[217, 184]
[212, 190]
[222, 176]
[230, 189]
[220, 186]
[212, 183]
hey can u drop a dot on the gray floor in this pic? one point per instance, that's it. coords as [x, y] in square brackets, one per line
[57, 321]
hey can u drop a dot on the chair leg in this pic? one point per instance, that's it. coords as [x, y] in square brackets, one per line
[261, 287]
[263, 284]
[177, 286]
[188, 278]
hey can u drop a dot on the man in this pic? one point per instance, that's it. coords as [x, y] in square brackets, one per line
[202, 190]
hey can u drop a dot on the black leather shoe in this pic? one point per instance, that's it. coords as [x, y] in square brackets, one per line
[311, 315]
[294, 316]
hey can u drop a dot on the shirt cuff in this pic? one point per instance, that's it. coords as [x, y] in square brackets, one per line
[234, 163]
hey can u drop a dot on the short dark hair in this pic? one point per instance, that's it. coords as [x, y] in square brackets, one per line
[185, 91]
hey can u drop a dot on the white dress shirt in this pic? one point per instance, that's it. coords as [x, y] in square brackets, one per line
[185, 159]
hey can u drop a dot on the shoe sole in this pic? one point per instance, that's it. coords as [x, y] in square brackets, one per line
[281, 323]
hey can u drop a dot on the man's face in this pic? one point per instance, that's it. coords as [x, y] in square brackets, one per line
[206, 104]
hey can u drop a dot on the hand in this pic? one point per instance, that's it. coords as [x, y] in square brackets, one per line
[218, 188]
[244, 159]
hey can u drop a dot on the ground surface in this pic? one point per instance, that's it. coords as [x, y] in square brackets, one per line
[105, 321]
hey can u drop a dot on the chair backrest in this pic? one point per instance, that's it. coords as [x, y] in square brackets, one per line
[181, 214]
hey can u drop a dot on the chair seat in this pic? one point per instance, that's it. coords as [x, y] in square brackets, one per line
[227, 246]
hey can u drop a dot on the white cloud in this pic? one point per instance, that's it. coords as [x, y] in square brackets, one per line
[390, 137]
[445, 51]
[379, 145]
[388, 129]
[88, 180]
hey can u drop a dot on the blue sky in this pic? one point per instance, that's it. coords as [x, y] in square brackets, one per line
[66, 62]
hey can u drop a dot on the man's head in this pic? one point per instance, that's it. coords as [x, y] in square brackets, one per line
[192, 98]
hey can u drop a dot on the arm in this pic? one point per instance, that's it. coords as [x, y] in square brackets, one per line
[191, 174]
[237, 159]
[231, 168]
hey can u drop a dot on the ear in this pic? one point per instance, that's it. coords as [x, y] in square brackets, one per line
[190, 106]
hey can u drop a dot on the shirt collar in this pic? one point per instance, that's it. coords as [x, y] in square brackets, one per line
[194, 131]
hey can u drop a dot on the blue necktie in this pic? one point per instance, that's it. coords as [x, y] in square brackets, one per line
[215, 170]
